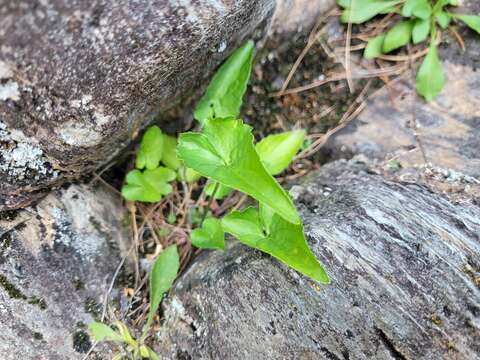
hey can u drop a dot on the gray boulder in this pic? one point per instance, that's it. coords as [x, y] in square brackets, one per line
[405, 270]
[79, 79]
[57, 260]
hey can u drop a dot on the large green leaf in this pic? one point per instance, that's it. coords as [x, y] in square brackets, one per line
[224, 151]
[162, 276]
[374, 47]
[149, 185]
[270, 233]
[224, 94]
[359, 11]
[472, 21]
[430, 77]
[151, 147]
[398, 36]
[103, 332]
[277, 151]
[209, 236]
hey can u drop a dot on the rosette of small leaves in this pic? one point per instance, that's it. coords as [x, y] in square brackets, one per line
[422, 21]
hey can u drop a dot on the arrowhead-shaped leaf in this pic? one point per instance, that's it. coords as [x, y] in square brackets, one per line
[224, 94]
[149, 185]
[209, 236]
[430, 77]
[150, 152]
[277, 151]
[162, 276]
[224, 151]
[270, 233]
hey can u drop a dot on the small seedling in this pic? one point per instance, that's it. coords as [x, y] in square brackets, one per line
[423, 20]
[162, 276]
[209, 236]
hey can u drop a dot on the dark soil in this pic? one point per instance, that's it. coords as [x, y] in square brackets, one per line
[308, 109]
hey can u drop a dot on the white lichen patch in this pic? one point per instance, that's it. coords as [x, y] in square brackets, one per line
[9, 91]
[75, 134]
[5, 71]
[87, 245]
[17, 159]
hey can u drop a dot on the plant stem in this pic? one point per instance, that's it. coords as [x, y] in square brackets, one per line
[212, 197]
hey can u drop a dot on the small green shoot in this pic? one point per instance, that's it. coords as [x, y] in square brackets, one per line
[423, 17]
[150, 152]
[209, 236]
[162, 276]
[149, 185]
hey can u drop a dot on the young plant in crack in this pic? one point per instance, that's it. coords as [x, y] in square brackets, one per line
[224, 151]
[162, 276]
[420, 21]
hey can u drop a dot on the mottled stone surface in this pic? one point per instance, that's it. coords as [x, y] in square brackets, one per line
[78, 79]
[448, 127]
[56, 262]
[405, 269]
[294, 15]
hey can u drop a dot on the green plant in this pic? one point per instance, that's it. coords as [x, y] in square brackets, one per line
[224, 152]
[423, 21]
[162, 276]
[149, 182]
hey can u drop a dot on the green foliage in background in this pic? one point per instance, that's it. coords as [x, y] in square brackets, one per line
[422, 21]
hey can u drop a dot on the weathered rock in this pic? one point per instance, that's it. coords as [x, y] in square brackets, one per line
[405, 269]
[80, 78]
[294, 15]
[448, 128]
[56, 262]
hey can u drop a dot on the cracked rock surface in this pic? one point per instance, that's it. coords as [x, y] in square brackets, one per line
[405, 269]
